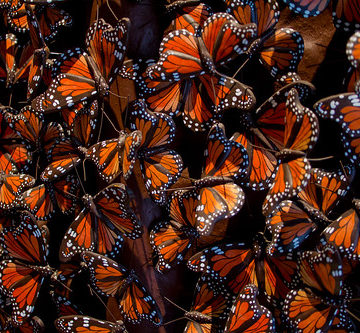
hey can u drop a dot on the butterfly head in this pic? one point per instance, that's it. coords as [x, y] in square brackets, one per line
[356, 203]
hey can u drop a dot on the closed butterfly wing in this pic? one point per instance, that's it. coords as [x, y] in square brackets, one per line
[346, 15]
[20, 281]
[247, 315]
[191, 17]
[307, 8]
[77, 323]
[265, 13]
[107, 46]
[344, 233]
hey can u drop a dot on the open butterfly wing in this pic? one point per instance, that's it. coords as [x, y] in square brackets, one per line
[229, 265]
[172, 240]
[113, 204]
[247, 315]
[282, 51]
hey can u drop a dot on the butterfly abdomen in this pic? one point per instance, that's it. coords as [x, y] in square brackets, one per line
[198, 317]
[288, 154]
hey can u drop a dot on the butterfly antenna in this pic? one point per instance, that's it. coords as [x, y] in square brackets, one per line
[10, 99]
[173, 303]
[101, 121]
[353, 315]
[84, 170]
[263, 148]
[93, 292]
[112, 12]
[111, 122]
[173, 321]
[240, 68]
[126, 112]
[77, 174]
[320, 159]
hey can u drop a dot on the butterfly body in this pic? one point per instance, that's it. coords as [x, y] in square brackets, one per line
[199, 317]
[101, 85]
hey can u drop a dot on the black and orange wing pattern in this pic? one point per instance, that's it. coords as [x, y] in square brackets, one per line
[112, 279]
[247, 315]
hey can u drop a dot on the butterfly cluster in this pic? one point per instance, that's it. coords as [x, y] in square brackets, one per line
[103, 195]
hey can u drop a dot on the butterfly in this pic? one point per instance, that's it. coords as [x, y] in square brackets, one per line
[230, 267]
[81, 76]
[50, 18]
[344, 109]
[12, 69]
[109, 278]
[160, 166]
[115, 156]
[173, 240]
[191, 18]
[30, 125]
[101, 224]
[293, 169]
[22, 276]
[280, 50]
[85, 324]
[324, 294]
[208, 311]
[262, 133]
[194, 85]
[343, 233]
[44, 200]
[247, 315]
[218, 197]
[12, 144]
[67, 152]
[299, 219]
[12, 183]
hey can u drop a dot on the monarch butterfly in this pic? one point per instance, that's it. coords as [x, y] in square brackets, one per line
[50, 18]
[247, 315]
[12, 183]
[280, 50]
[12, 144]
[177, 81]
[135, 303]
[231, 267]
[30, 125]
[12, 70]
[44, 200]
[218, 197]
[324, 294]
[101, 224]
[346, 15]
[21, 276]
[64, 306]
[77, 323]
[191, 18]
[293, 169]
[84, 76]
[117, 155]
[161, 167]
[209, 309]
[344, 109]
[172, 240]
[343, 233]
[298, 220]
[67, 152]
[32, 325]
[263, 132]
